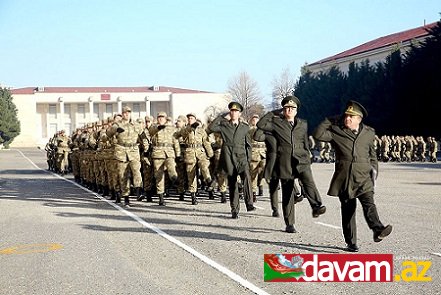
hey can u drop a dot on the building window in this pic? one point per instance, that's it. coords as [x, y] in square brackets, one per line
[136, 111]
[67, 111]
[109, 109]
[96, 111]
[52, 111]
[81, 110]
[52, 129]
[67, 129]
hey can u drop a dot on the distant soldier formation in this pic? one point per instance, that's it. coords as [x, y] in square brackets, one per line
[389, 149]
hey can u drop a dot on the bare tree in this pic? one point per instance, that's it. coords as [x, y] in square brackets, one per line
[282, 86]
[245, 90]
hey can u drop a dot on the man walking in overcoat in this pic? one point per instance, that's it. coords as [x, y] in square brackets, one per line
[356, 168]
[235, 155]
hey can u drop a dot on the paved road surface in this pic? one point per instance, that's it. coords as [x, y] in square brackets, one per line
[59, 238]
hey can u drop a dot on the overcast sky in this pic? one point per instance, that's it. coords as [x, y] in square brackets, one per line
[189, 44]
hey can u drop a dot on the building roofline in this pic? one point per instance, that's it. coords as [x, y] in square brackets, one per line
[136, 89]
[379, 43]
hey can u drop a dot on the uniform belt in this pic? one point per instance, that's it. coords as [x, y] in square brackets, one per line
[193, 145]
[163, 145]
[128, 144]
[258, 145]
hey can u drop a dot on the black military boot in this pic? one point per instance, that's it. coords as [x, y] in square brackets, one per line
[260, 191]
[223, 197]
[211, 195]
[105, 191]
[112, 195]
[149, 196]
[139, 195]
[161, 200]
[194, 199]
[181, 197]
[126, 201]
[254, 197]
[99, 189]
[118, 199]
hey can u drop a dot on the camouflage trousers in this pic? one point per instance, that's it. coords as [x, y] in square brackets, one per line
[256, 169]
[159, 167]
[125, 170]
[204, 166]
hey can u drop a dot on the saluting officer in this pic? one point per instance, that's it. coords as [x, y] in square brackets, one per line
[293, 159]
[356, 167]
[235, 155]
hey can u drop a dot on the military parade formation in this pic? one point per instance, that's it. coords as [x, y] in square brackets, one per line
[154, 159]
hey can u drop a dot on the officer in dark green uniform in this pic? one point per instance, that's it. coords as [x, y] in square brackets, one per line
[356, 167]
[293, 160]
[235, 155]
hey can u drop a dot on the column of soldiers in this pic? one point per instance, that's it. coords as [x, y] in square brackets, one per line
[406, 148]
[118, 157]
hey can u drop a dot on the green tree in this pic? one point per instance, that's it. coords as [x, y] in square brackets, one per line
[9, 124]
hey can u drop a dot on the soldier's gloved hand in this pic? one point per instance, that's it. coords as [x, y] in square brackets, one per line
[120, 130]
[145, 154]
[194, 125]
[160, 127]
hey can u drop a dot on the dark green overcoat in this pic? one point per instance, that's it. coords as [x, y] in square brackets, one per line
[236, 147]
[356, 163]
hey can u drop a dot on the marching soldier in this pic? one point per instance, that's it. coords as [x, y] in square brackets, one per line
[165, 149]
[235, 156]
[258, 156]
[146, 161]
[215, 166]
[127, 154]
[63, 143]
[180, 163]
[197, 153]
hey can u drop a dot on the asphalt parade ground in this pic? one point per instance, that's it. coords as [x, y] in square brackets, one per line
[57, 237]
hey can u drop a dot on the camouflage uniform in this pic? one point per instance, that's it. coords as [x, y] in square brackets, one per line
[258, 160]
[127, 154]
[63, 142]
[198, 150]
[165, 149]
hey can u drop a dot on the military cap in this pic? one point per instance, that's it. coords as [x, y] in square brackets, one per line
[99, 123]
[148, 118]
[126, 109]
[162, 114]
[139, 120]
[182, 118]
[191, 114]
[354, 108]
[290, 101]
[89, 125]
[234, 105]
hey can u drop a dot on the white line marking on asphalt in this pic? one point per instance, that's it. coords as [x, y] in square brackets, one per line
[166, 236]
[437, 254]
[328, 225]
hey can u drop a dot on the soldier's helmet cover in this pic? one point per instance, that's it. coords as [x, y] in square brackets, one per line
[126, 109]
[234, 105]
[355, 108]
[162, 114]
[290, 101]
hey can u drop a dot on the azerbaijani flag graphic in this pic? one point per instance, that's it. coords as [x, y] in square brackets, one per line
[278, 268]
